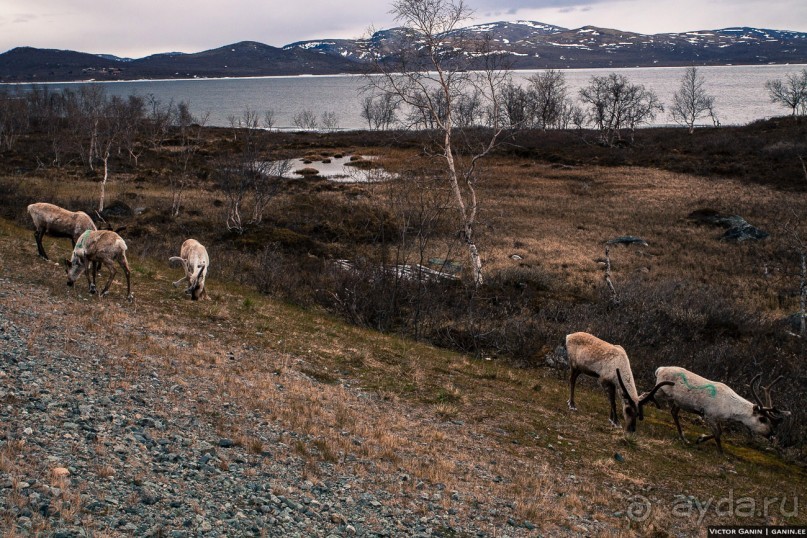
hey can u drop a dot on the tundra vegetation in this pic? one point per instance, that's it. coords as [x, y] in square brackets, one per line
[553, 198]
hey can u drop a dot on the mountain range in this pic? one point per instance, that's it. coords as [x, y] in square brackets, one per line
[529, 44]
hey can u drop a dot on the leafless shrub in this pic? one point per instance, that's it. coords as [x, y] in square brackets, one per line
[329, 121]
[790, 92]
[14, 119]
[379, 111]
[305, 119]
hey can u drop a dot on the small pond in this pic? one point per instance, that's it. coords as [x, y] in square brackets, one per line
[341, 168]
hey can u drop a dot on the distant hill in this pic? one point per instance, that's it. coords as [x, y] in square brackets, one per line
[530, 44]
[534, 45]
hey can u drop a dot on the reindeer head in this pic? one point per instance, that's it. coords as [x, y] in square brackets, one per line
[74, 267]
[765, 417]
[197, 284]
[631, 409]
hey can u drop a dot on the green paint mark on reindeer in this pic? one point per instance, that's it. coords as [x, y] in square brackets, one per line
[82, 239]
[710, 389]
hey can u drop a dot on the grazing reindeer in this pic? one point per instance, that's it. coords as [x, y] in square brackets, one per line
[717, 403]
[96, 248]
[592, 356]
[194, 260]
[58, 222]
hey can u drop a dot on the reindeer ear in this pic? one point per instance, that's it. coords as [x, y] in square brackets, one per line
[757, 410]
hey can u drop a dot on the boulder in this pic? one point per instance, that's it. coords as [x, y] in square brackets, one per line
[737, 228]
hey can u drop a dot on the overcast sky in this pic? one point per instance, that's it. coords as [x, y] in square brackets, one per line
[142, 27]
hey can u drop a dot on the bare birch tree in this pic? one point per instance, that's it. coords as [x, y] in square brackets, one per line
[108, 131]
[547, 91]
[691, 102]
[790, 93]
[429, 72]
[615, 104]
[379, 111]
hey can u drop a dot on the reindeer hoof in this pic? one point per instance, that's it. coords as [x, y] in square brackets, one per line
[572, 406]
[131, 297]
[93, 290]
[614, 424]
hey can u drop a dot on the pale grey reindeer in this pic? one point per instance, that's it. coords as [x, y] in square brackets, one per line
[57, 222]
[609, 363]
[93, 249]
[195, 261]
[718, 404]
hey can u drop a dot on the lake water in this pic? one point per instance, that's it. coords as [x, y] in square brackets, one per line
[740, 95]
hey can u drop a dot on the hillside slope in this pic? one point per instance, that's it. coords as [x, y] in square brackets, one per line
[242, 416]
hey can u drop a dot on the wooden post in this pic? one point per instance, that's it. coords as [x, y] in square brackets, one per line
[614, 296]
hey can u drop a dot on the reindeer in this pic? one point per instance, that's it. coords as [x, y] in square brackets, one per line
[195, 261]
[58, 222]
[717, 403]
[96, 248]
[592, 356]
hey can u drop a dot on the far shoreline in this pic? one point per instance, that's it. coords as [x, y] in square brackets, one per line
[339, 75]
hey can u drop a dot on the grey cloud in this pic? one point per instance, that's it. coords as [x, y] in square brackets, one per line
[515, 5]
[23, 18]
[573, 9]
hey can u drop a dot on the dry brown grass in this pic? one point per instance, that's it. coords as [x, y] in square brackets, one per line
[481, 428]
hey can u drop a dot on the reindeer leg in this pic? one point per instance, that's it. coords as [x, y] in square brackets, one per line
[572, 380]
[92, 274]
[38, 236]
[124, 263]
[91, 277]
[674, 410]
[611, 390]
[716, 432]
[719, 445]
[112, 271]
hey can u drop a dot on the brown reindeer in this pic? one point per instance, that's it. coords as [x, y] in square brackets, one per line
[591, 356]
[57, 222]
[96, 248]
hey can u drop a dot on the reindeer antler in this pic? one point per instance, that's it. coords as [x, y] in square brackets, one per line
[757, 378]
[775, 415]
[625, 393]
[767, 390]
[651, 396]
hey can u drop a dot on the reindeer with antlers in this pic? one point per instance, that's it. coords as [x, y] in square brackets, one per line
[717, 403]
[195, 261]
[592, 356]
